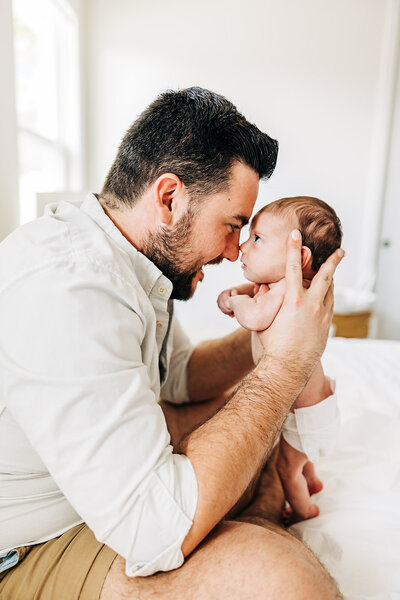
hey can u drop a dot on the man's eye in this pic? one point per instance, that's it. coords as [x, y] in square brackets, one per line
[234, 228]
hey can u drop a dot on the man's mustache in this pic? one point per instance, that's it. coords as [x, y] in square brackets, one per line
[215, 261]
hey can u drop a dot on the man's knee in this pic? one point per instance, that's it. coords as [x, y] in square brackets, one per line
[237, 560]
[273, 564]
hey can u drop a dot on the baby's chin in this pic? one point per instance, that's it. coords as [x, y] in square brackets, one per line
[268, 279]
[249, 277]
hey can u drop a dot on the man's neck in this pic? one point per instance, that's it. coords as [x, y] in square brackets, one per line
[127, 221]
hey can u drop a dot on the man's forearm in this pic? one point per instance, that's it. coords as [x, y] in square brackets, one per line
[217, 365]
[228, 449]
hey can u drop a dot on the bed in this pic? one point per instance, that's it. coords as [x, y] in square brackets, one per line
[357, 535]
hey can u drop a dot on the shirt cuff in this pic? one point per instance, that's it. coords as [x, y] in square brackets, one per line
[167, 517]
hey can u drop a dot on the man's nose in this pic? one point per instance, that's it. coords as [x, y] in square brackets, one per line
[231, 251]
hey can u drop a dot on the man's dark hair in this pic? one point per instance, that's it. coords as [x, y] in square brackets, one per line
[195, 134]
[318, 223]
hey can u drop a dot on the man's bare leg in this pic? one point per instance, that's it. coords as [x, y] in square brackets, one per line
[248, 555]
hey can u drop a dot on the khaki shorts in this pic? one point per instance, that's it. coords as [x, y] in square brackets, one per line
[70, 567]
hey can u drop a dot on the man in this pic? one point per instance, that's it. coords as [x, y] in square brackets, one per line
[97, 502]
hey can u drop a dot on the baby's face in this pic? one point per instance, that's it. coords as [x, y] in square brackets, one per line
[264, 254]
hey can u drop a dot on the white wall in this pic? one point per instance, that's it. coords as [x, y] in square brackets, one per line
[305, 71]
[8, 126]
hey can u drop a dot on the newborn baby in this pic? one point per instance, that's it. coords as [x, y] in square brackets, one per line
[311, 426]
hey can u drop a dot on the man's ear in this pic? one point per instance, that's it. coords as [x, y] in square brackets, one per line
[306, 257]
[167, 189]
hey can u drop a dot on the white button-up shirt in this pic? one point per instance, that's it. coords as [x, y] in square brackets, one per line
[86, 333]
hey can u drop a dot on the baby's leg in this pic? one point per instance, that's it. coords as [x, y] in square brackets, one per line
[295, 469]
[317, 388]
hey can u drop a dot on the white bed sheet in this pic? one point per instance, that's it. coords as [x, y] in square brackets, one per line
[357, 535]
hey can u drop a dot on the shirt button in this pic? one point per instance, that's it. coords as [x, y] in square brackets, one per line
[162, 289]
[159, 324]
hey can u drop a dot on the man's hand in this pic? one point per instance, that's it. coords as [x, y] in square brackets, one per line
[299, 482]
[300, 330]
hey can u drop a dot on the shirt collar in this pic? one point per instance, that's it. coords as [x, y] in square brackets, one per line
[147, 272]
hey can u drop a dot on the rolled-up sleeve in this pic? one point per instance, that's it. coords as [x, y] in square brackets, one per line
[180, 349]
[72, 369]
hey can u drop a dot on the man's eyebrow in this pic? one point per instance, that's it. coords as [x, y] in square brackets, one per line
[243, 220]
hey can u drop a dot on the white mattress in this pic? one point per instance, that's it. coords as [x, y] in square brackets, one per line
[357, 535]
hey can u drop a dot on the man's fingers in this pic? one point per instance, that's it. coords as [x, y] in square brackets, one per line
[329, 298]
[294, 276]
[323, 279]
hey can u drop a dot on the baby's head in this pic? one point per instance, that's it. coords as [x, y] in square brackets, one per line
[264, 253]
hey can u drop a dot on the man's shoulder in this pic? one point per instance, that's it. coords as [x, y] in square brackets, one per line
[64, 241]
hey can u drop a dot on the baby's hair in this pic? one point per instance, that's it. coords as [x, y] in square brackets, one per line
[318, 224]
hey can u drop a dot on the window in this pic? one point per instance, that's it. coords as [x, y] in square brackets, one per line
[48, 100]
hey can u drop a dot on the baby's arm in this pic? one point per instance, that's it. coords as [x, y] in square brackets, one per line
[223, 301]
[257, 313]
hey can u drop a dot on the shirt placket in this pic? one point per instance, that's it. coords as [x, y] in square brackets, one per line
[163, 312]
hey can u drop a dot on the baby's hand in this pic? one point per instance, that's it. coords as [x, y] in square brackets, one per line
[224, 302]
[261, 290]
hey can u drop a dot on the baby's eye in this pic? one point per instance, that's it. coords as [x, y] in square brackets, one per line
[256, 237]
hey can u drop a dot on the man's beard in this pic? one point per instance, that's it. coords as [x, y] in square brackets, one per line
[171, 252]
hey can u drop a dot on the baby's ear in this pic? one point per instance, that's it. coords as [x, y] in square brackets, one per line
[306, 257]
